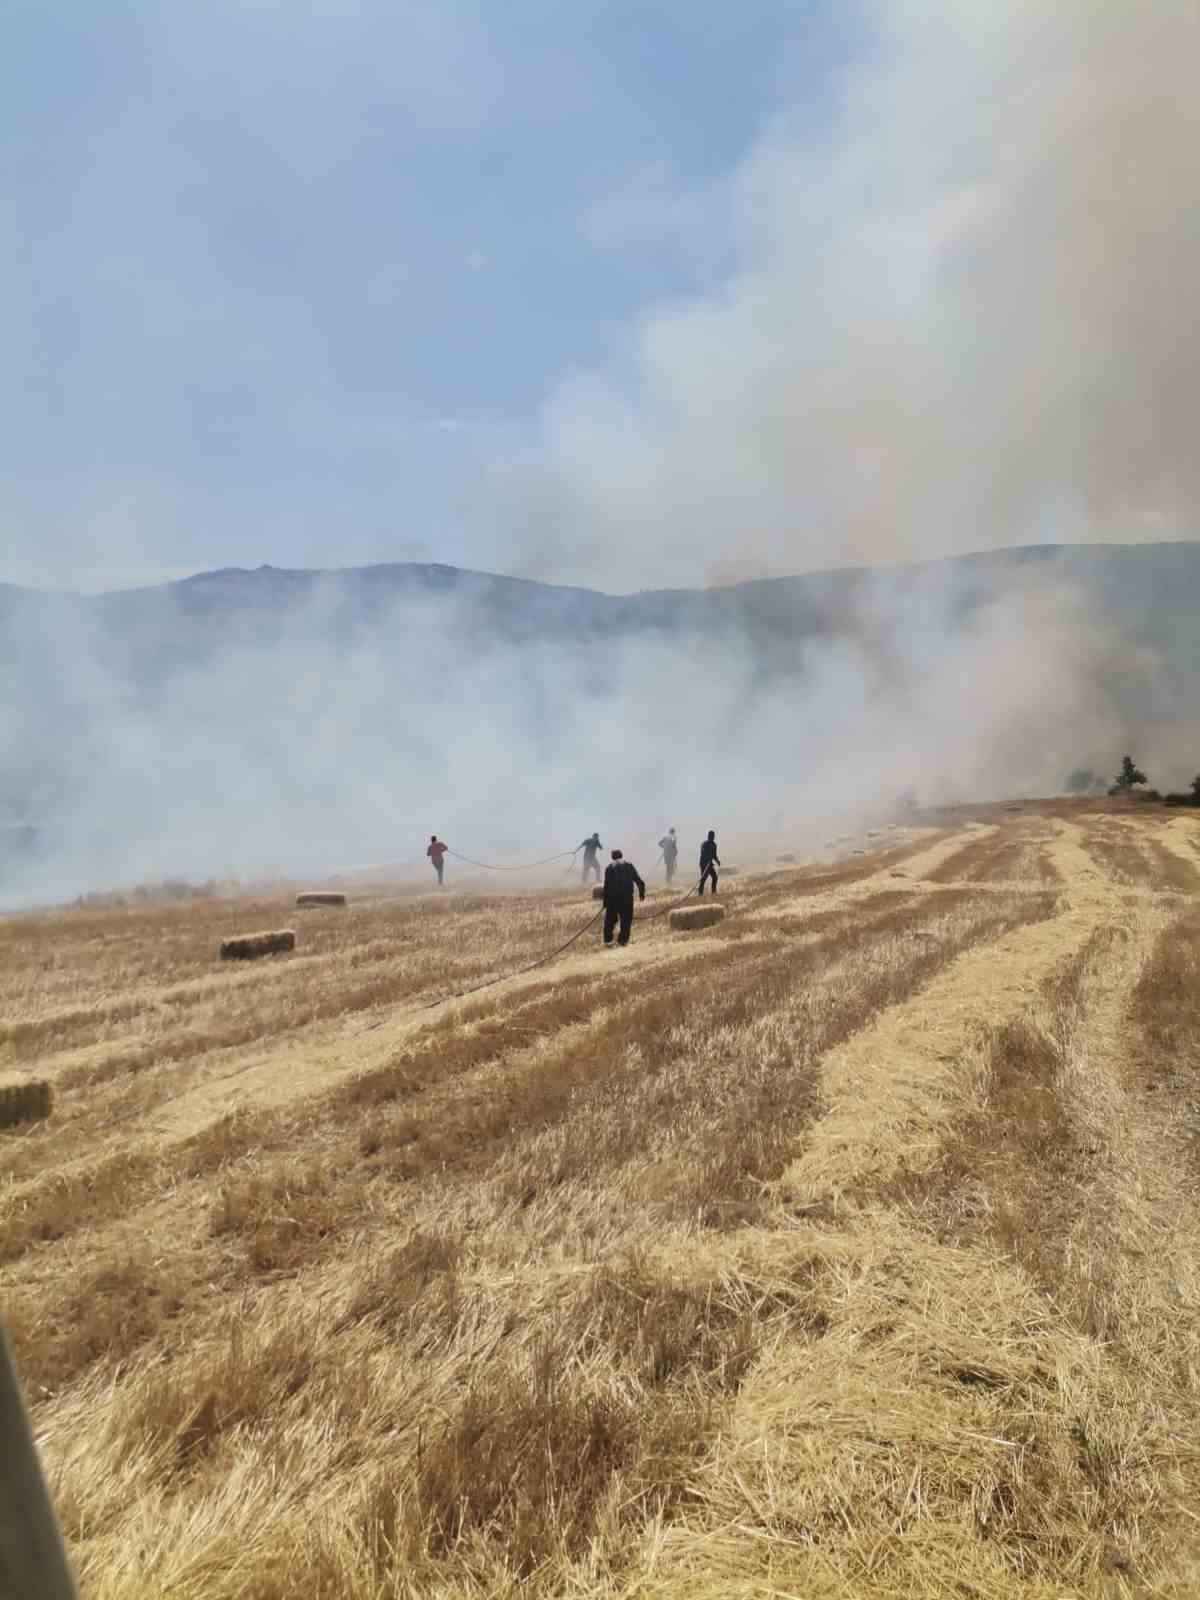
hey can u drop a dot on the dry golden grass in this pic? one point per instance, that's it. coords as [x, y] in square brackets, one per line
[1011, 853]
[848, 1248]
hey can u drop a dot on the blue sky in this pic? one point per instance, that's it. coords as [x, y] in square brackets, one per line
[281, 275]
[654, 293]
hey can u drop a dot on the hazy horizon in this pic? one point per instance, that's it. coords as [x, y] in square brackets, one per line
[668, 298]
[727, 583]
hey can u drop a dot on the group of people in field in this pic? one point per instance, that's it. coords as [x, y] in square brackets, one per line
[621, 877]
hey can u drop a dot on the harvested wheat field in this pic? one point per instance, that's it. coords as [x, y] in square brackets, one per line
[848, 1247]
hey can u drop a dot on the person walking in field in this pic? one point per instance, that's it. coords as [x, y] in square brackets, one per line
[669, 846]
[437, 853]
[709, 862]
[621, 877]
[591, 856]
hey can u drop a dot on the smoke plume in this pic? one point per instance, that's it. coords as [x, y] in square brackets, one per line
[962, 318]
[966, 319]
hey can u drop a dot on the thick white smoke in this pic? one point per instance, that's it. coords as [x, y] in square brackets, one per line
[314, 732]
[966, 320]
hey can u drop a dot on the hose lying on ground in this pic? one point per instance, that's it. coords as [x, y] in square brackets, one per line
[488, 983]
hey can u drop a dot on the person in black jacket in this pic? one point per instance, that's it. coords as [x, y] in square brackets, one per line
[709, 861]
[620, 878]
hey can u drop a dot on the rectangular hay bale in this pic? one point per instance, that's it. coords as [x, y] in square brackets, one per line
[24, 1102]
[321, 897]
[696, 916]
[249, 946]
[597, 891]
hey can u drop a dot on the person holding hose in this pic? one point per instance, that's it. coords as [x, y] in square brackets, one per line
[620, 879]
[709, 862]
[437, 854]
[591, 849]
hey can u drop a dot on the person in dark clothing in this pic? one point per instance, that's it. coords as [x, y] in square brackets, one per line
[437, 854]
[709, 862]
[669, 846]
[620, 879]
[591, 849]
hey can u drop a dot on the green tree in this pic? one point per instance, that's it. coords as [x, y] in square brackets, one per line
[1129, 774]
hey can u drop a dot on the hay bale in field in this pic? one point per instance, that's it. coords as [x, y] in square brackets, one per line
[597, 891]
[730, 872]
[696, 916]
[27, 1101]
[321, 897]
[249, 946]
[785, 858]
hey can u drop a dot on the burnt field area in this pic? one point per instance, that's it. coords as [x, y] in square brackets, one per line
[849, 1246]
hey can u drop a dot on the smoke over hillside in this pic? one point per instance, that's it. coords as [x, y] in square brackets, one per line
[961, 316]
[249, 722]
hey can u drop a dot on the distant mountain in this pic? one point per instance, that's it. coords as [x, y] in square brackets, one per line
[134, 718]
[1146, 593]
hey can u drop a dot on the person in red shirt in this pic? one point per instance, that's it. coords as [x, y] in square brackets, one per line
[436, 853]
